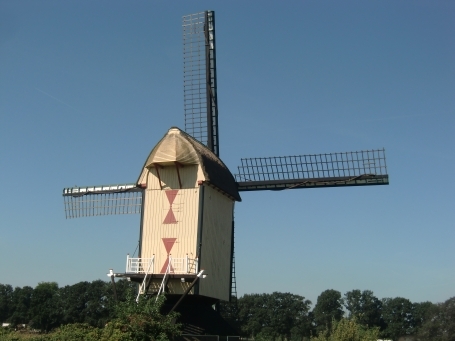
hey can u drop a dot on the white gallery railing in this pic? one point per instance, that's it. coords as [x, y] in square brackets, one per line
[140, 265]
[185, 265]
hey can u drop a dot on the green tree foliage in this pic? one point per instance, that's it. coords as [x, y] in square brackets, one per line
[5, 334]
[230, 312]
[84, 302]
[364, 307]
[44, 306]
[85, 309]
[439, 324]
[73, 302]
[6, 301]
[398, 316]
[347, 330]
[421, 313]
[123, 288]
[142, 321]
[275, 315]
[131, 321]
[22, 298]
[76, 332]
[328, 308]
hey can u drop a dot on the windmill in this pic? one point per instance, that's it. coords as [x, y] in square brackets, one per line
[186, 195]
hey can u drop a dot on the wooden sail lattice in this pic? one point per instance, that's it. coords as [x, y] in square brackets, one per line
[102, 200]
[366, 167]
[199, 78]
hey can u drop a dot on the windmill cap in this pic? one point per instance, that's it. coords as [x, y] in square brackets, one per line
[178, 146]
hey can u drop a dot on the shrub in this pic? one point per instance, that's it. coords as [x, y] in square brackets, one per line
[347, 330]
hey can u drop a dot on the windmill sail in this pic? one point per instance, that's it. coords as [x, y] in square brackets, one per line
[102, 200]
[199, 78]
[310, 171]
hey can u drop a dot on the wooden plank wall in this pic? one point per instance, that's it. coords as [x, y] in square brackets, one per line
[156, 228]
[216, 244]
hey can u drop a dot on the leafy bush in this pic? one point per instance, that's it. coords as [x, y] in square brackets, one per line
[141, 321]
[347, 330]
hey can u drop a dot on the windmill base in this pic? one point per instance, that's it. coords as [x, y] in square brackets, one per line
[199, 318]
[199, 314]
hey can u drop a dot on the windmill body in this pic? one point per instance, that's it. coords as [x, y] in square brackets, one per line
[187, 219]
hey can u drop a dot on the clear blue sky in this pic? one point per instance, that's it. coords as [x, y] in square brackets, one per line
[88, 88]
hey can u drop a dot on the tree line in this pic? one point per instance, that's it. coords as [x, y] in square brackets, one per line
[280, 316]
[48, 306]
[91, 317]
[276, 316]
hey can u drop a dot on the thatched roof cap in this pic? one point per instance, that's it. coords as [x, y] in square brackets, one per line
[178, 146]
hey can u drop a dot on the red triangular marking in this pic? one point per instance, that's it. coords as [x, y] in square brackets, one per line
[171, 194]
[164, 268]
[168, 244]
[170, 218]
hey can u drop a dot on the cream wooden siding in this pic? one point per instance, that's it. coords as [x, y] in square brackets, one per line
[216, 244]
[185, 208]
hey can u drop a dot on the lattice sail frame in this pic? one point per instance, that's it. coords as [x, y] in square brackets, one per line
[199, 78]
[366, 167]
[102, 200]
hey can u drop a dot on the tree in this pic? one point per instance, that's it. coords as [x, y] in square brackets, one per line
[439, 324]
[329, 307]
[364, 307]
[347, 330]
[230, 312]
[252, 313]
[6, 301]
[276, 315]
[398, 317]
[98, 303]
[421, 313]
[22, 298]
[73, 301]
[91, 302]
[124, 288]
[44, 306]
[289, 312]
[86, 302]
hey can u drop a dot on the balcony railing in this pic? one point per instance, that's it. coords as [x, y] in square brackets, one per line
[140, 265]
[185, 265]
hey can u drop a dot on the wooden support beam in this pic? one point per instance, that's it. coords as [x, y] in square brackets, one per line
[156, 165]
[177, 166]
